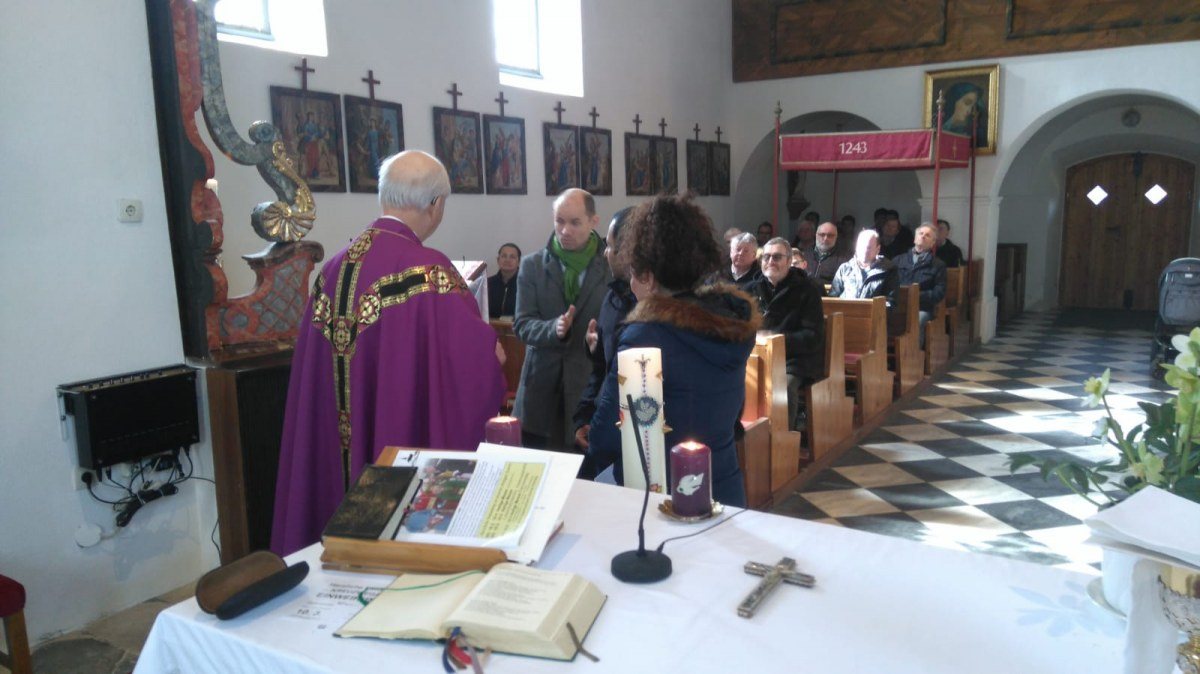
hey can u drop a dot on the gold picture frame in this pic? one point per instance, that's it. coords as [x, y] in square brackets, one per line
[957, 84]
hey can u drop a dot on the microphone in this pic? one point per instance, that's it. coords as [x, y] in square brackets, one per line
[641, 565]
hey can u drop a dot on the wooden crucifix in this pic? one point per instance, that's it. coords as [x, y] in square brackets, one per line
[696, 130]
[593, 114]
[501, 100]
[637, 123]
[304, 71]
[718, 134]
[662, 127]
[559, 109]
[784, 571]
[454, 93]
[371, 82]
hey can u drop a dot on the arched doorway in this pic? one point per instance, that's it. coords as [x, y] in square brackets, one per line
[1033, 191]
[859, 194]
[1125, 216]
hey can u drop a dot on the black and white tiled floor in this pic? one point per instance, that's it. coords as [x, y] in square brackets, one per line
[936, 470]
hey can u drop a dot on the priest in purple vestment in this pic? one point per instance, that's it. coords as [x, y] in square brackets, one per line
[392, 351]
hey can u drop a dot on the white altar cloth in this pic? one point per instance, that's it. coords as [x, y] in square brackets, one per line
[882, 605]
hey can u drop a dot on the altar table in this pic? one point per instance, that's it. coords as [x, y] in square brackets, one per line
[881, 605]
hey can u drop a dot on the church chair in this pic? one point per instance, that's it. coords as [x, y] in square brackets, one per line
[12, 611]
[956, 308]
[830, 411]
[904, 346]
[785, 443]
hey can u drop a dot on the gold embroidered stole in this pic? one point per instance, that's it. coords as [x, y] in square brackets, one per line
[344, 316]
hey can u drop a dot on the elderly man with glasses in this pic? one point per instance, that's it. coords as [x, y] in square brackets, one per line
[823, 258]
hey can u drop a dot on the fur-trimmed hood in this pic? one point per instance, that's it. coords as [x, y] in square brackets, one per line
[719, 311]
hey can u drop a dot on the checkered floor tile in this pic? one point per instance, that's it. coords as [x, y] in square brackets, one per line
[936, 471]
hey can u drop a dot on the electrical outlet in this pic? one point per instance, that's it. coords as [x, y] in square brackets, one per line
[80, 485]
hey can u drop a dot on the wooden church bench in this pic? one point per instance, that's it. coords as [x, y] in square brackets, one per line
[830, 411]
[864, 341]
[904, 340]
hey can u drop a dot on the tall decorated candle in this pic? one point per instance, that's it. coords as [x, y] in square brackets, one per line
[639, 374]
[691, 479]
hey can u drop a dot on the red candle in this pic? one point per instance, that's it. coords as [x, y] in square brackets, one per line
[503, 431]
[691, 479]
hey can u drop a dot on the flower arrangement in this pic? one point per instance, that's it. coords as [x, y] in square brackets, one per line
[1162, 450]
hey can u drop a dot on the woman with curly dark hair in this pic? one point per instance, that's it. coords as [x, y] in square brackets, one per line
[705, 333]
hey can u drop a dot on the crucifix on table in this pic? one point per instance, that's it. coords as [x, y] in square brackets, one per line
[784, 571]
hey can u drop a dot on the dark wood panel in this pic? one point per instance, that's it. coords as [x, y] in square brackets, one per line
[818, 29]
[788, 38]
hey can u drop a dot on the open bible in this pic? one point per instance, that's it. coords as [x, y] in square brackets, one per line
[511, 608]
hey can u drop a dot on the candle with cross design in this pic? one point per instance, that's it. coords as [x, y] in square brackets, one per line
[639, 373]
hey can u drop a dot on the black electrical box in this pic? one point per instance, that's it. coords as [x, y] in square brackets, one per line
[132, 416]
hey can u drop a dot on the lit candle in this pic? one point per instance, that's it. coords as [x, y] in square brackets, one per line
[640, 375]
[503, 431]
[691, 479]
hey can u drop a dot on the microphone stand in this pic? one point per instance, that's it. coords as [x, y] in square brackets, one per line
[641, 565]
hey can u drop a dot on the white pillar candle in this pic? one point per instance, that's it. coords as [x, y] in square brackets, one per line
[639, 374]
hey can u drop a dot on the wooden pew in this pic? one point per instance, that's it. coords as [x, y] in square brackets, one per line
[754, 449]
[514, 358]
[904, 341]
[975, 297]
[785, 443]
[830, 411]
[937, 341]
[865, 345]
[956, 309]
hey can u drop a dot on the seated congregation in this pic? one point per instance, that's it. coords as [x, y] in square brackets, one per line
[759, 359]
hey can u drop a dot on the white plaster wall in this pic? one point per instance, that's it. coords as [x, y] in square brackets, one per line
[84, 296]
[670, 58]
[1033, 91]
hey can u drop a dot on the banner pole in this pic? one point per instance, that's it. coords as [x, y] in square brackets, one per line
[937, 154]
[775, 174]
[833, 217]
[971, 201]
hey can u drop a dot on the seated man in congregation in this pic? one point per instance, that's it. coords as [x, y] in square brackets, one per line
[823, 259]
[744, 270]
[502, 286]
[791, 306]
[806, 231]
[921, 268]
[392, 351]
[868, 274]
[950, 254]
[894, 238]
[705, 332]
[765, 232]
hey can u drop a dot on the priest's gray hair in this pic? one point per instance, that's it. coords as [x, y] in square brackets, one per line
[744, 239]
[412, 180]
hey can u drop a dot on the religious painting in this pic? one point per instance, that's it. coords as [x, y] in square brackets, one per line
[966, 91]
[374, 132]
[456, 143]
[504, 152]
[639, 165]
[718, 169]
[595, 160]
[560, 143]
[666, 165]
[697, 164]
[310, 123]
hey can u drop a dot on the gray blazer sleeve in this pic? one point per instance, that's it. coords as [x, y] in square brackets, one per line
[531, 327]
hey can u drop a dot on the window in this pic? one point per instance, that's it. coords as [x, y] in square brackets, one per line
[1156, 194]
[295, 26]
[539, 45]
[1097, 195]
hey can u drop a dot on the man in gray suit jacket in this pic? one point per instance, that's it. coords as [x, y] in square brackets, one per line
[559, 290]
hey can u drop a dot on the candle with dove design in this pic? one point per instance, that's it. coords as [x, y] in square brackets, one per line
[691, 479]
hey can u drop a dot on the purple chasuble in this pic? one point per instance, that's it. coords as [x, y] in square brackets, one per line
[392, 351]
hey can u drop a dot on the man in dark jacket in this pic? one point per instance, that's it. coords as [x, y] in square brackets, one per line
[744, 271]
[867, 275]
[947, 252]
[502, 286]
[823, 259]
[921, 268]
[791, 306]
[894, 238]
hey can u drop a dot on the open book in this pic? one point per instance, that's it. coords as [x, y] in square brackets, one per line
[512, 608]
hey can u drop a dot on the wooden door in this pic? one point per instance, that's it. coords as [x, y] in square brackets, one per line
[1116, 240]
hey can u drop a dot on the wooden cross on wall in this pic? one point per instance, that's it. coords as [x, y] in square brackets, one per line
[501, 100]
[593, 114]
[454, 93]
[637, 123]
[718, 134]
[696, 130]
[371, 82]
[304, 71]
[662, 127]
[559, 109]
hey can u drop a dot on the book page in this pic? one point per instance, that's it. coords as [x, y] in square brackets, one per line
[412, 607]
[544, 520]
[467, 499]
[512, 597]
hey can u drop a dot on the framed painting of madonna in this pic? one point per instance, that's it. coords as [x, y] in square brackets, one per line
[969, 92]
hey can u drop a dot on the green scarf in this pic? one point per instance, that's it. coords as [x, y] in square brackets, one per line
[575, 262]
